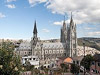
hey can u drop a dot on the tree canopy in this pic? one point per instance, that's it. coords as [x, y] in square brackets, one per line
[75, 68]
[86, 61]
[64, 67]
[10, 63]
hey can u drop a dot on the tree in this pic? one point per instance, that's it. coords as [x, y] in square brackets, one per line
[74, 69]
[64, 67]
[20, 41]
[28, 66]
[86, 62]
[10, 62]
[43, 68]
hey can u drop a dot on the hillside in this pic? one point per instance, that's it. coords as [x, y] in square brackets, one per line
[91, 42]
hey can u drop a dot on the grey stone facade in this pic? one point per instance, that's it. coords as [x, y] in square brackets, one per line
[66, 47]
[49, 51]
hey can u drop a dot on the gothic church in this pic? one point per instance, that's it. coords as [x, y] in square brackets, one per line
[48, 51]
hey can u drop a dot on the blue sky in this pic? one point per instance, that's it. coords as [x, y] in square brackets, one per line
[17, 18]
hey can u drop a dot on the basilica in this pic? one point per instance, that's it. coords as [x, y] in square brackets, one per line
[49, 51]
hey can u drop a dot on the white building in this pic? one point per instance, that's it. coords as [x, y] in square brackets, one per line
[34, 60]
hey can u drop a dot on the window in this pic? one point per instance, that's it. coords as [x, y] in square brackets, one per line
[29, 52]
[77, 62]
[96, 71]
[99, 64]
[64, 54]
[74, 62]
[33, 58]
[93, 63]
[46, 51]
[61, 52]
[50, 51]
[30, 59]
[25, 52]
[53, 51]
[37, 59]
[25, 58]
[93, 70]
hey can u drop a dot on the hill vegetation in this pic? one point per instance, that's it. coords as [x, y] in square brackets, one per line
[90, 42]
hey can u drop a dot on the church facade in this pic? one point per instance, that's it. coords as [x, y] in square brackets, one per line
[49, 51]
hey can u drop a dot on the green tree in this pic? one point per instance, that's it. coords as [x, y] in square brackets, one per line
[86, 61]
[64, 67]
[36, 72]
[10, 62]
[75, 69]
[42, 67]
[28, 66]
[20, 41]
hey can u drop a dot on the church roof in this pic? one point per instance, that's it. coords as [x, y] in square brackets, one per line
[25, 45]
[68, 60]
[54, 45]
[78, 58]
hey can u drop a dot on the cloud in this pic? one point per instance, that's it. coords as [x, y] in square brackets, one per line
[88, 28]
[34, 2]
[10, 0]
[45, 30]
[57, 23]
[2, 15]
[93, 33]
[67, 22]
[86, 11]
[11, 6]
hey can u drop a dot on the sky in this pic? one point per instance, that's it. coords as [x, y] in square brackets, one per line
[17, 18]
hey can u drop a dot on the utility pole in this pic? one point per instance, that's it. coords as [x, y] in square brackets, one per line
[84, 55]
[41, 50]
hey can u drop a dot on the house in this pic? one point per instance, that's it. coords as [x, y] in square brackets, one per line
[65, 60]
[95, 65]
[33, 60]
[77, 60]
[59, 61]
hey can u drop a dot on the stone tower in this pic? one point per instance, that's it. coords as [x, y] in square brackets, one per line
[34, 39]
[63, 37]
[69, 36]
[72, 39]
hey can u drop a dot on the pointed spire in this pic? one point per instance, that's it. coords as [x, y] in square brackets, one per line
[71, 15]
[75, 24]
[64, 20]
[71, 21]
[75, 27]
[64, 17]
[64, 24]
[35, 28]
[71, 18]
